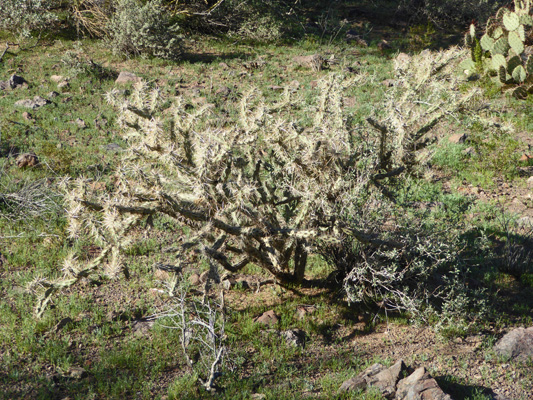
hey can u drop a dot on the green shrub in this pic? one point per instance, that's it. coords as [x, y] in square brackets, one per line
[450, 11]
[23, 16]
[137, 29]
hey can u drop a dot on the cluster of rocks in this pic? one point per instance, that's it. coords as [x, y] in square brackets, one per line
[397, 382]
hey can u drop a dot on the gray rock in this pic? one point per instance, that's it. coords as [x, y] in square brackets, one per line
[355, 383]
[295, 337]
[4, 85]
[17, 81]
[385, 379]
[125, 77]
[142, 328]
[361, 381]
[37, 102]
[41, 101]
[81, 123]
[112, 147]
[76, 372]
[420, 385]
[26, 103]
[516, 345]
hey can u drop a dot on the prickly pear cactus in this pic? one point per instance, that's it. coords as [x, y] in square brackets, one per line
[505, 50]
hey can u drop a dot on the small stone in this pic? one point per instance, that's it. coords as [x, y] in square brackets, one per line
[194, 279]
[203, 276]
[525, 157]
[63, 85]
[81, 123]
[401, 61]
[223, 91]
[125, 77]
[356, 383]
[112, 147]
[27, 103]
[267, 318]
[17, 81]
[458, 138]
[420, 385]
[142, 328]
[469, 151]
[57, 78]
[52, 94]
[302, 311]
[387, 379]
[294, 84]
[4, 85]
[27, 116]
[223, 65]
[77, 373]
[530, 182]
[27, 160]
[295, 337]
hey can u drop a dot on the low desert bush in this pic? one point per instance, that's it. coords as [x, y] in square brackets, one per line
[450, 12]
[138, 28]
[21, 17]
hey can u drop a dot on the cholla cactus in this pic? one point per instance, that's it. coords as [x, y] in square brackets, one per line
[265, 190]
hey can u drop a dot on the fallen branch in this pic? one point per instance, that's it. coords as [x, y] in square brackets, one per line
[4, 53]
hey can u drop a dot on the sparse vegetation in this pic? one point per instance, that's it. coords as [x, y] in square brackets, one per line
[239, 222]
